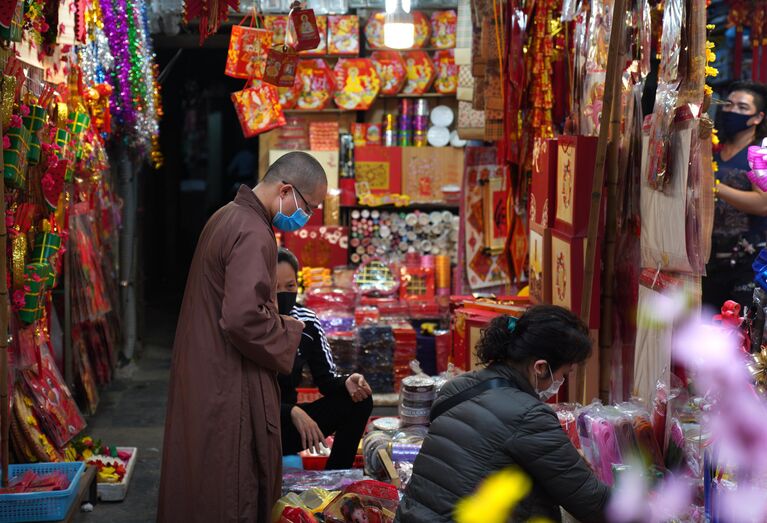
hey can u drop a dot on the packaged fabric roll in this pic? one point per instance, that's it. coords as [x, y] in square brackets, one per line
[375, 344]
[344, 349]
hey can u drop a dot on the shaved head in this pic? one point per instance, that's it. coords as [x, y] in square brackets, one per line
[300, 170]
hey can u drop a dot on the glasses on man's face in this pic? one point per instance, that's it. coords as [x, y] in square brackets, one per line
[308, 208]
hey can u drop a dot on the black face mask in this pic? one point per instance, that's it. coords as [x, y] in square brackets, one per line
[729, 124]
[286, 301]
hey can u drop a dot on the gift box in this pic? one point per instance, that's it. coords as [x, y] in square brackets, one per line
[278, 25]
[307, 32]
[15, 157]
[447, 72]
[420, 72]
[322, 47]
[568, 258]
[426, 170]
[391, 70]
[543, 186]
[36, 278]
[443, 29]
[281, 64]
[576, 156]
[324, 246]
[343, 35]
[316, 84]
[246, 57]
[357, 83]
[380, 170]
[366, 134]
[13, 32]
[540, 264]
[46, 245]
[35, 120]
[422, 29]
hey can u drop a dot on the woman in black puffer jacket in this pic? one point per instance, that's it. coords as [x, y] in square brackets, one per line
[505, 424]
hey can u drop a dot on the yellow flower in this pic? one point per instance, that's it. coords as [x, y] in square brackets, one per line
[87, 453]
[494, 499]
[710, 56]
[707, 90]
[710, 27]
[715, 166]
[714, 138]
[711, 71]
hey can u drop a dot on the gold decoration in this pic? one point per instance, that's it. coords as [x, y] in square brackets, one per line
[19, 255]
[757, 366]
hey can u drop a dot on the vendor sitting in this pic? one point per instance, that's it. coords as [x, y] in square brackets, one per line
[346, 401]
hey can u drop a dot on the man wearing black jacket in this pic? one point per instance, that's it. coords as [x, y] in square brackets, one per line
[346, 401]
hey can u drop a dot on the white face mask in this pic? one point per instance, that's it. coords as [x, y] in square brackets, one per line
[552, 389]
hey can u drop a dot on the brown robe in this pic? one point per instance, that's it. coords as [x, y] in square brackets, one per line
[222, 453]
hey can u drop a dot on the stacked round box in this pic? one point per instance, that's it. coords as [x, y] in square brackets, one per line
[421, 122]
[416, 398]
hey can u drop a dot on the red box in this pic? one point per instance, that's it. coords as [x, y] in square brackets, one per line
[324, 246]
[568, 257]
[444, 346]
[543, 187]
[576, 157]
[379, 168]
[540, 263]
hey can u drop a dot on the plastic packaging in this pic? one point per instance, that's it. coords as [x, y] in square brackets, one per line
[566, 414]
[757, 159]
[370, 501]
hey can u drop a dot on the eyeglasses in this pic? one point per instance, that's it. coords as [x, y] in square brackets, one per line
[309, 209]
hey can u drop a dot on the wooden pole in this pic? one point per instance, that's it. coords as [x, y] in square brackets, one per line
[611, 231]
[612, 89]
[5, 421]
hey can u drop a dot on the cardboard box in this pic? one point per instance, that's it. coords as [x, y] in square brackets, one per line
[568, 257]
[540, 264]
[380, 168]
[576, 156]
[328, 160]
[324, 246]
[543, 186]
[425, 170]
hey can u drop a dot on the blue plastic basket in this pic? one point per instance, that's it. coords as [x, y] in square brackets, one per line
[41, 506]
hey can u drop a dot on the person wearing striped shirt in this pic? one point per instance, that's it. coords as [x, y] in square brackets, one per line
[346, 401]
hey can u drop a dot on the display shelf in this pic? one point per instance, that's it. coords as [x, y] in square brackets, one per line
[425, 49]
[424, 95]
[404, 208]
[334, 110]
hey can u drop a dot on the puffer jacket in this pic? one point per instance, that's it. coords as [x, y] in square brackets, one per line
[496, 429]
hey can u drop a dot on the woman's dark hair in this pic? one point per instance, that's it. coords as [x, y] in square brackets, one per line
[284, 255]
[759, 92]
[544, 332]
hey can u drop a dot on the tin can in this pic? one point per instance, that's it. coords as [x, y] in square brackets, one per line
[390, 138]
[422, 107]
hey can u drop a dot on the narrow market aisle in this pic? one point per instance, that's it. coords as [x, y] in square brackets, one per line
[132, 413]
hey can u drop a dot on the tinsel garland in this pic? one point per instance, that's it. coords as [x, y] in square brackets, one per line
[119, 51]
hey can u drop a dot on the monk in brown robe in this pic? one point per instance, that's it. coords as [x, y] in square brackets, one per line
[222, 458]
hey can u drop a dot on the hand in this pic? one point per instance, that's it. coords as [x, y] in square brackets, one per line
[358, 388]
[311, 435]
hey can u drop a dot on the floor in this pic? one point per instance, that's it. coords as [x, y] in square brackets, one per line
[132, 413]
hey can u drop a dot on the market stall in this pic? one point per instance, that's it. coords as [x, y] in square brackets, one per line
[78, 89]
[530, 152]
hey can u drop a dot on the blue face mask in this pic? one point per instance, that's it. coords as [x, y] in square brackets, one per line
[293, 222]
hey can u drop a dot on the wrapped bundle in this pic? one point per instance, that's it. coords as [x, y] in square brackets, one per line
[566, 414]
[375, 352]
